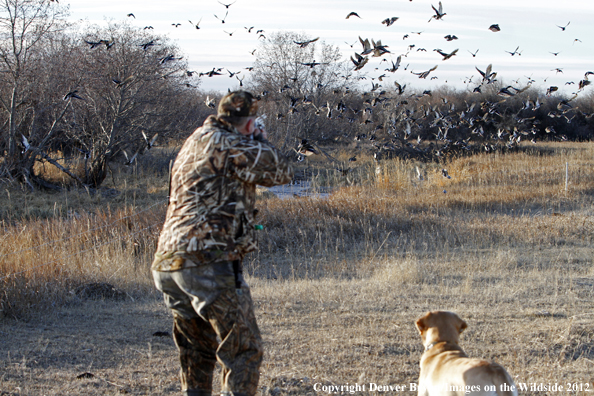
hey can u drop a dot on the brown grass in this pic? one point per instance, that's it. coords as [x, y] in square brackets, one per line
[337, 282]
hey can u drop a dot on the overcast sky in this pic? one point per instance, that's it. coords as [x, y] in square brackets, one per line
[531, 25]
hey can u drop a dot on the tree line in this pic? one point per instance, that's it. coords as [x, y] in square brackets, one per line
[104, 94]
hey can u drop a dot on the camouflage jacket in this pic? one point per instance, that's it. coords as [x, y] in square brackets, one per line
[211, 212]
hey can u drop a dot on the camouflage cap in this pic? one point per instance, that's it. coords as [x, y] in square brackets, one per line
[238, 104]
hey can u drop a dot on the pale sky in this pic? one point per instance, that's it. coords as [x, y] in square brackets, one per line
[528, 24]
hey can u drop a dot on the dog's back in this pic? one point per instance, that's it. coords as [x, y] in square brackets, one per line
[491, 378]
[477, 377]
[447, 370]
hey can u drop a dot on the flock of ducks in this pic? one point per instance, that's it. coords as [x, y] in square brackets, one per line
[445, 119]
[359, 60]
[455, 129]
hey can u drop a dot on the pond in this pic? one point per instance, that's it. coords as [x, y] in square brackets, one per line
[298, 189]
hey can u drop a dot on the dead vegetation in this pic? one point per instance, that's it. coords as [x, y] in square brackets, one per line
[337, 281]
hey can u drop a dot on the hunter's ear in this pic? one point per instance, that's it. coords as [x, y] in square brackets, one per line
[249, 125]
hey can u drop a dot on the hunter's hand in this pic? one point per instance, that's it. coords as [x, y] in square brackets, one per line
[260, 134]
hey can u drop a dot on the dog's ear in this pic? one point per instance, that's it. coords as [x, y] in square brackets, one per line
[421, 326]
[462, 326]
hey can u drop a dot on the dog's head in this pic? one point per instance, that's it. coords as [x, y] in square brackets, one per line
[440, 326]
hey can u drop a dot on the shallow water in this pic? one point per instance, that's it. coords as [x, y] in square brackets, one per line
[299, 189]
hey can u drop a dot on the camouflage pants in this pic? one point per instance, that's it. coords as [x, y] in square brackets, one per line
[207, 307]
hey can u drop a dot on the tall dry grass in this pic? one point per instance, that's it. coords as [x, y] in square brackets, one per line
[491, 203]
[380, 218]
[52, 244]
[44, 262]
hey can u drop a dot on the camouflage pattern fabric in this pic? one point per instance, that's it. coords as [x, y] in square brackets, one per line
[213, 190]
[229, 314]
[209, 227]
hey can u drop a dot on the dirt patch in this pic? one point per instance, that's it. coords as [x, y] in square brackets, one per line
[97, 347]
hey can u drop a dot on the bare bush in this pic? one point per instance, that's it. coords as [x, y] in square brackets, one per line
[97, 94]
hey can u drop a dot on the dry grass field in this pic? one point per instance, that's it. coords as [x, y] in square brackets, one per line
[506, 242]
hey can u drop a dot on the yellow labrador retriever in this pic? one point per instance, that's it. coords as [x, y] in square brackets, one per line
[447, 370]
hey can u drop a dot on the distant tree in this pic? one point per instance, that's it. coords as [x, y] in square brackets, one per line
[25, 26]
[133, 87]
[296, 81]
[312, 69]
[101, 94]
